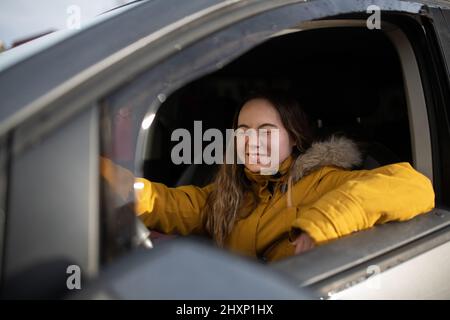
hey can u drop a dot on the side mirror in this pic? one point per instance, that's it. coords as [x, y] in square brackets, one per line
[187, 269]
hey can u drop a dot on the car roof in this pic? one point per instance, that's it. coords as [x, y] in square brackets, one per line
[15, 55]
[438, 3]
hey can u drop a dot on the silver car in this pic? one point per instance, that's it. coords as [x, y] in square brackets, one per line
[377, 70]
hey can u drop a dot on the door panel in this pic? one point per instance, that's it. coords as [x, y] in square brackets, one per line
[53, 199]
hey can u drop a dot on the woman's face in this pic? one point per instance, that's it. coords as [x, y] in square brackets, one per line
[259, 114]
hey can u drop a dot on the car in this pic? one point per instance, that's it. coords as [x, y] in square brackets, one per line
[378, 71]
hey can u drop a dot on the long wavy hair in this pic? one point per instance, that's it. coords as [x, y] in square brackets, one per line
[224, 203]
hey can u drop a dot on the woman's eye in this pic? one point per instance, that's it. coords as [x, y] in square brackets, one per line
[265, 132]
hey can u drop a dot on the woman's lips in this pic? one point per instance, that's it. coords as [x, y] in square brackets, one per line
[255, 158]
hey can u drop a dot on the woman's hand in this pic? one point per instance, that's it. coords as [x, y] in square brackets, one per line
[121, 180]
[303, 243]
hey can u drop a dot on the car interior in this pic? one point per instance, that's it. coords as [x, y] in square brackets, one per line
[348, 80]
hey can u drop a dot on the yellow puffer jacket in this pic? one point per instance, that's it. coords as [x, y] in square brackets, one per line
[316, 193]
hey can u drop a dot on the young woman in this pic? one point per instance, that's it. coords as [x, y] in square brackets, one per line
[314, 197]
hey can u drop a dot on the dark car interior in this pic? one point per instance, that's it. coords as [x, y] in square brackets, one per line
[348, 80]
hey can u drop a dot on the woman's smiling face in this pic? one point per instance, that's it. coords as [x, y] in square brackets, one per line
[259, 114]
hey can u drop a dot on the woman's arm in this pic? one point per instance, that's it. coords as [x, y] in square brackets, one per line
[171, 210]
[168, 210]
[356, 200]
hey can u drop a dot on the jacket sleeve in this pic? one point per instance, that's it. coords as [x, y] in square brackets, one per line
[351, 201]
[168, 210]
[171, 210]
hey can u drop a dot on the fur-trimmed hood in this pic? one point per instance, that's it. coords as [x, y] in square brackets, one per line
[336, 151]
